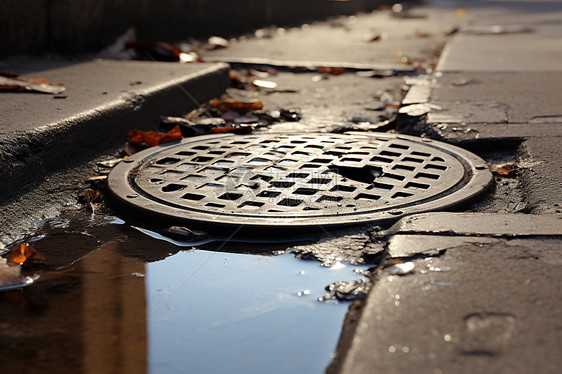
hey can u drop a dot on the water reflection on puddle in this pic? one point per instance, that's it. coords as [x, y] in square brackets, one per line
[124, 302]
[216, 312]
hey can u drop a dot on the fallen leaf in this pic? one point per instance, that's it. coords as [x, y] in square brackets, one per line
[237, 106]
[507, 169]
[153, 138]
[22, 253]
[32, 85]
[331, 70]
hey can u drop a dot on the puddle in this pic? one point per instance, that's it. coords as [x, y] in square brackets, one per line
[112, 299]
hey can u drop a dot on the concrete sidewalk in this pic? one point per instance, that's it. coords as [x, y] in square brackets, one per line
[484, 296]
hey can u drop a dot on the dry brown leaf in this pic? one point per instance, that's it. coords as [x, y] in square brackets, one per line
[507, 169]
[31, 85]
[239, 107]
[153, 138]
[331, 70]
[24, 253]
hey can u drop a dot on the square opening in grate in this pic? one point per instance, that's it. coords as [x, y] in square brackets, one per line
[230, 196]
[343, 188]
[401, 194]
[266, 193]
[322, 160]
[435, 167]
[298, 175]
[237, 154]
[266, 178]
[305, 191]
[420, 186]
[251, 204]
[403, 167]
[367, 196]
[386, 160]
[398, 146]
[391, 154]
[192, 196]
[383, 186]
[289, 202]
[412, 159]
[319, 181]
[201, 159]
[427, 176]
[310, 166]
[173, 187]
[168, 161]
[326, 198]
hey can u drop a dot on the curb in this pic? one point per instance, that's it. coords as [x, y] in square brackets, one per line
[41, 135]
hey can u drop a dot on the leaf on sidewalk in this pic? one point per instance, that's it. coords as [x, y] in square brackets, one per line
[330, 70]
[153, 138]
[240, 107]
[14, 83]
[507, 169]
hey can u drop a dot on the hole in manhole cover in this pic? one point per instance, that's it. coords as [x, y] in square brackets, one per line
[230, 181]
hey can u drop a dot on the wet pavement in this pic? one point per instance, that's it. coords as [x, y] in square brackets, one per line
[127, 302]
[444, 293]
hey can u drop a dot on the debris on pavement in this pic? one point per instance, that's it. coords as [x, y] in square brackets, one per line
[11, 82]
[110, 163]
[397, 267]
[236, 106]
[11, 277]
[506, 169]
[331, 70]
[417, 110]
[216, 42]
[183, 233]
[24, 253]
[153, 138]
[347, 290]
[497, 29]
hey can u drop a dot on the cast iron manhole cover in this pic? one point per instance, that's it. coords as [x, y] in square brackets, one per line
[294, 181]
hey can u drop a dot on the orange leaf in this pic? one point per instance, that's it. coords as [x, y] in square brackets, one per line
[152, 138]
[239, 107]
[24, 252]
[330, 70]
[503, 169]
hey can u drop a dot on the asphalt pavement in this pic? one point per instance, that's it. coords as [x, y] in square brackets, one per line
[483, 295]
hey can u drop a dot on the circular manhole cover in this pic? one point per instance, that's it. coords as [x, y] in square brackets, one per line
[294, 181]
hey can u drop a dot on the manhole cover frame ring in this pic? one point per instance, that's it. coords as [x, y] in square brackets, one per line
[478, 181]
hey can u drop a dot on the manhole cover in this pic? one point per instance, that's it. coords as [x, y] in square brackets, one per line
[290, 181]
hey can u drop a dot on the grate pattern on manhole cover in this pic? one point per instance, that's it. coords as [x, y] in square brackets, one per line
[294, 180]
